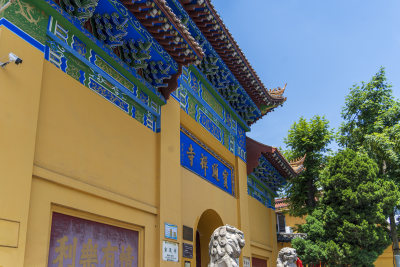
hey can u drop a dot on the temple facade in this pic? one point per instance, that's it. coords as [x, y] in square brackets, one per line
[123, 136]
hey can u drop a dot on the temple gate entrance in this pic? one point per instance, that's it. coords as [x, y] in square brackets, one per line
[209, 221]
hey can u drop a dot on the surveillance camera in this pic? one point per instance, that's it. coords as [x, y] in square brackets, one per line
[13, 58]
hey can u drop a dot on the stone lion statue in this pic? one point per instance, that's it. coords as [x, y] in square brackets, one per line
[287, 257]
[225, 246]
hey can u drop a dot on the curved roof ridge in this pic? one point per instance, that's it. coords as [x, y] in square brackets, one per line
[262, 91]
[254, 151]
[163, 5]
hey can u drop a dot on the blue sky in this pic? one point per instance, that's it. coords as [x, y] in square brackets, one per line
[320, 48]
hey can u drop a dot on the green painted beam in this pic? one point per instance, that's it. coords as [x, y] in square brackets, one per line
[262, 185]
[219, 98]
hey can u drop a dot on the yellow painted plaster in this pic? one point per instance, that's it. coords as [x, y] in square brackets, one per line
[84, 137]
[9, 233]
[263, 238]
[169, 175]
[243, 204]
[386, 258]
[20, 87]
[293, 221]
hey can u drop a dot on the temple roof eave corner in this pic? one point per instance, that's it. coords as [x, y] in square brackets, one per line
[298, 164]
[287, 169]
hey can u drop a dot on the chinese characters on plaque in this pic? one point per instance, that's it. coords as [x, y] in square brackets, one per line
[170, 251]
[200, 160]
[77, 242]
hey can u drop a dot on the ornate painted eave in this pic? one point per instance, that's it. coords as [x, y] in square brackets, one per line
[157, 17]
[281, 203]
[202, 12]
[256, 150]
[128, 27]
[214, 69]
[298, 164]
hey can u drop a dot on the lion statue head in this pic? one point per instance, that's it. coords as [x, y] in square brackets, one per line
[287, 257]
[225, 246]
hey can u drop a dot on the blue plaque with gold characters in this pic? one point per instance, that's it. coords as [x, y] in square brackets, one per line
[201, 160]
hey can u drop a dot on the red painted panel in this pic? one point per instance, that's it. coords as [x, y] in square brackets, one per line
[258, 262]
[79, 242]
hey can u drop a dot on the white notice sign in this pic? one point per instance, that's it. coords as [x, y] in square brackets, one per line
[170, 251]
[246, 262]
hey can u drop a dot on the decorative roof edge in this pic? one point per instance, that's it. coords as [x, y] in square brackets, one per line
[255, 150]
[157, 17]
[236, 60]
[162, 4]
[281, 203]
[298, 164]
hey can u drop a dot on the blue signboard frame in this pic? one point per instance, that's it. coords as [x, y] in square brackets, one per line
[173, 231]
[198, 158]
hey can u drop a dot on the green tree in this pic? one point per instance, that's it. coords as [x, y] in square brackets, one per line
[349, 225]
[364, 106]
[310, 138]
[371, 123]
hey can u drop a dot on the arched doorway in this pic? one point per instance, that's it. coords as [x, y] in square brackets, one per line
[209, 221]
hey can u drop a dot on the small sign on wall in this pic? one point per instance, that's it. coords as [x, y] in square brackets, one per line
[246, 262]
[171, 231]
[170, 251]
[187, 250]
[187, 233]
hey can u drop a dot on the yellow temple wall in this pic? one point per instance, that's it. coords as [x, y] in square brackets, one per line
[209, 197]
[386, 258]
[20, 88]
[263, 231]
[282, 245]
[66, 149]
[293, 221]
[86, 138]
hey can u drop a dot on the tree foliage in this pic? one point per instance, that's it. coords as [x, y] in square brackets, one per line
[364, 106]
[371, 123]
[349, 225]
[383, 144]
[311, 138]
[359, 185]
